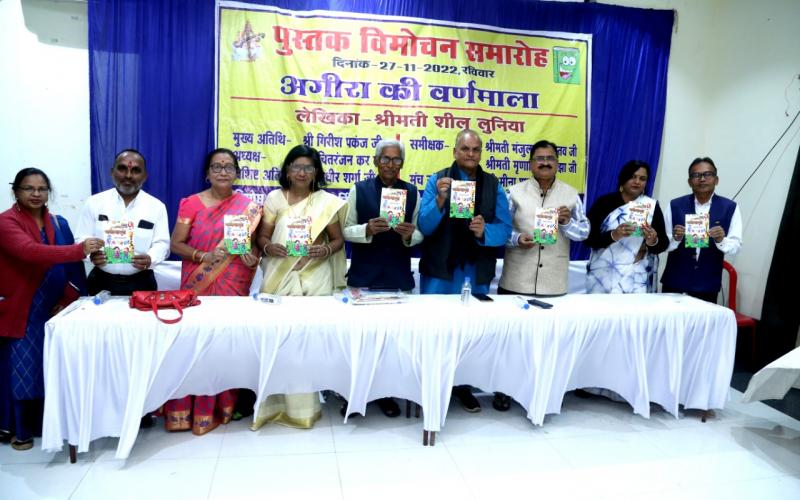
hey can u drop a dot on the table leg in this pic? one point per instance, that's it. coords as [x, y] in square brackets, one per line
[706, 415]
[408, 408]
[416, 410]
[73, 456]
[428, 438]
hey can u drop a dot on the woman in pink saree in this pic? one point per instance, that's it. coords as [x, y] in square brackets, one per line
[209, 268]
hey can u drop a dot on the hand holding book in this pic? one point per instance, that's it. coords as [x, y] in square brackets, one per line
[477, 226]
[678, 232]
[525, 241]
[405, 229]
[622, 231]
[650, 235]
[717, 233]
[377, 225]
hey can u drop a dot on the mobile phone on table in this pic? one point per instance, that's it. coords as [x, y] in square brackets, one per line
[539, 303]
[482, 297]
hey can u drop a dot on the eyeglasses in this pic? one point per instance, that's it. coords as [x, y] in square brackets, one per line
[396, 161]
[31, 189]
[218, 167]
[705, 175]
[544, 159]
[296, 169]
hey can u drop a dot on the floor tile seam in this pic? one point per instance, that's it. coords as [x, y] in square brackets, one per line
[266, 455]
[336, 457]
[211, 479]
[484, 442]
[565, 465]
[382, 450]
[673, 454]
[339, 474]
[135, 461]
[83, 477]
[786, 475]
[551, 437]
[660, 457]
[333, 434]
[453, 460]
[464, 479]
[727, 481]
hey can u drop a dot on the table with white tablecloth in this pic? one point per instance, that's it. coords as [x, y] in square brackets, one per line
[776, 379]
[107, 365]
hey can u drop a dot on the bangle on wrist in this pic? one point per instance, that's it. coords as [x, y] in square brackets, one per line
[194, 255]
[201, 256]
[264, 249]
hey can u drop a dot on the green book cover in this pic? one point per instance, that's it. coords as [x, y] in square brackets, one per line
[696, 231]
[237, 234]
[118, 236]
[637, 216]
[298, 237]
[462, 199]
[545, 226]
[393, 205]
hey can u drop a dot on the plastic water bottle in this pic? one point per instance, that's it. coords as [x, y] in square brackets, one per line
[101, 297]
[521, 302]
[341, 297]
[466, 291]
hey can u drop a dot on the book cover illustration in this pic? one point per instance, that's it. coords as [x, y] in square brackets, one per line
[118, 237]
[462, 199]
[637, 215]
[696, 231]
[545, 226]
[237, 234]
[393, 205]
[298, 237]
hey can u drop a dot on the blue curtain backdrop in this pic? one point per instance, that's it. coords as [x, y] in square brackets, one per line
[151, 70]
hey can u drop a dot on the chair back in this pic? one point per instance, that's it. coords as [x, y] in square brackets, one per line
[732, 279]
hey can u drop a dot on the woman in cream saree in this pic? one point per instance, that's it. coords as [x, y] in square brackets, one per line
[301, 236]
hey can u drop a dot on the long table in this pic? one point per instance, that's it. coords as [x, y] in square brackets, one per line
[107, 365]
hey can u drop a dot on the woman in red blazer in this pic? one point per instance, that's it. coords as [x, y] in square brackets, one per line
[34, 286]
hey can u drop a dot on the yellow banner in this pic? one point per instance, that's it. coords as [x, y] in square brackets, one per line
[340, 82]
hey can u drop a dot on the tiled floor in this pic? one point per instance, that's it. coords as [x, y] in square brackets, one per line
[594, 449]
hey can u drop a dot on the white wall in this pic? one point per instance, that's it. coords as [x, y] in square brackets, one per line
[44, 99]
[733, 77]
[731, 64]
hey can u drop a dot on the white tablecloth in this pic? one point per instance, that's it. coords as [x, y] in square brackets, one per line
[774, 380]
[106, 366]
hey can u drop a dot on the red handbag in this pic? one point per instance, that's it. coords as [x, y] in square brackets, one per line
[165, 299]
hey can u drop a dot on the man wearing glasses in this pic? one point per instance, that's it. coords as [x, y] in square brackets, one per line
[540, 268]
[381, 254]
[459, 248]
[698, 271]
[126, 202]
